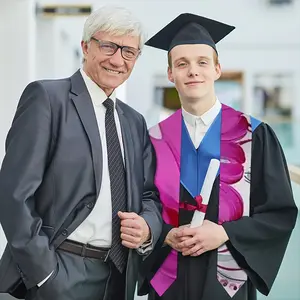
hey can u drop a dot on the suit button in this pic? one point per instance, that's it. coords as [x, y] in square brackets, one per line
[65, 232]
[90, 205]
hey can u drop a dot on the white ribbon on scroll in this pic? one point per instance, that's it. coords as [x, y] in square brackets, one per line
[209, 180]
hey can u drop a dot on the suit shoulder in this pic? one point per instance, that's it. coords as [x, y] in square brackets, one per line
[55, 90]
[130, 111]
[55, 85]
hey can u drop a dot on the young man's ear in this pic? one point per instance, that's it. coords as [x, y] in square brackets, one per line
[170, 75]
[218, 71]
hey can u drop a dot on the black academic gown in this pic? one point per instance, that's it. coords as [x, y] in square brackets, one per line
[257, 243]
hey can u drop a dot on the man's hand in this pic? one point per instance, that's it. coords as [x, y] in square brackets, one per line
[134, 230]
[204, 238]
[174, 238]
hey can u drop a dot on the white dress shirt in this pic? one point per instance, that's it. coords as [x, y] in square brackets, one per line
[197, 126]
[96, 229]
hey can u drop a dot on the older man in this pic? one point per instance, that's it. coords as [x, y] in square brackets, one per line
[78, 205]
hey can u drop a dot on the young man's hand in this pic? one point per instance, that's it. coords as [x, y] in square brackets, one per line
[174, 238]
[204, 238]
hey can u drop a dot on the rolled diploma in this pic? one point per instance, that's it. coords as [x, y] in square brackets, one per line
[209, 180]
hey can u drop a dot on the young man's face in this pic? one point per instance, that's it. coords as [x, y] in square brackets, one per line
[193, 70]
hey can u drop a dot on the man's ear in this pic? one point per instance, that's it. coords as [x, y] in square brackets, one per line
[218, 71]
[85, 48]
[170, 75]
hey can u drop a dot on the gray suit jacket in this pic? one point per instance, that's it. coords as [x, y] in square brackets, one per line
[51, 177]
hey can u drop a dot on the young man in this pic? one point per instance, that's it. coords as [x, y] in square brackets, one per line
[78, 203]
[248, 222]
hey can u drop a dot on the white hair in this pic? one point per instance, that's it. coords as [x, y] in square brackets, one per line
[114, 20]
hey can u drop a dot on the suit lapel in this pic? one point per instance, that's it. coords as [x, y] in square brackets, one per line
[128, 151]
[84, 106]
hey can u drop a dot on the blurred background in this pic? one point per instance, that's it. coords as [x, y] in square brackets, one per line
[260, 62]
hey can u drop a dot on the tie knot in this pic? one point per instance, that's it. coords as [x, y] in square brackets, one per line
[109, 104]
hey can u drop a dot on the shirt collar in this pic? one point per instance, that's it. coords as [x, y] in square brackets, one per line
[98, 96]
[207, 118]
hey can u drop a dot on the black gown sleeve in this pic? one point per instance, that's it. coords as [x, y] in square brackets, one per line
[258, 242]
[152, 263]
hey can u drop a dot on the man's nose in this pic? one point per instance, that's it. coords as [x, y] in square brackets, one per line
[193, 71]
[117, 60]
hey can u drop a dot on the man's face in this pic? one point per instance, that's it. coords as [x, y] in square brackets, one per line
[108, 71]
[194, 71]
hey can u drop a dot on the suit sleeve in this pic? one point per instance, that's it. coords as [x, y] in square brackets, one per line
[259, 242]
[151, 211]
[23, 167]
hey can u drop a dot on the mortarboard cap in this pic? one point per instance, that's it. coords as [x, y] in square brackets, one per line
[190, 29]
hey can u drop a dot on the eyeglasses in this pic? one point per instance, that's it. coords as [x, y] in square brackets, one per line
[110, 48]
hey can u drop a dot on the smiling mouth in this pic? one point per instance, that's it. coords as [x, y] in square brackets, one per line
[194, 82]
[112, 71]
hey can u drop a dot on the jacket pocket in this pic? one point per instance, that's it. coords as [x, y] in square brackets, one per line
[49, 280]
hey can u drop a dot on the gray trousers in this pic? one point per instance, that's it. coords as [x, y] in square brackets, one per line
[81, 278]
